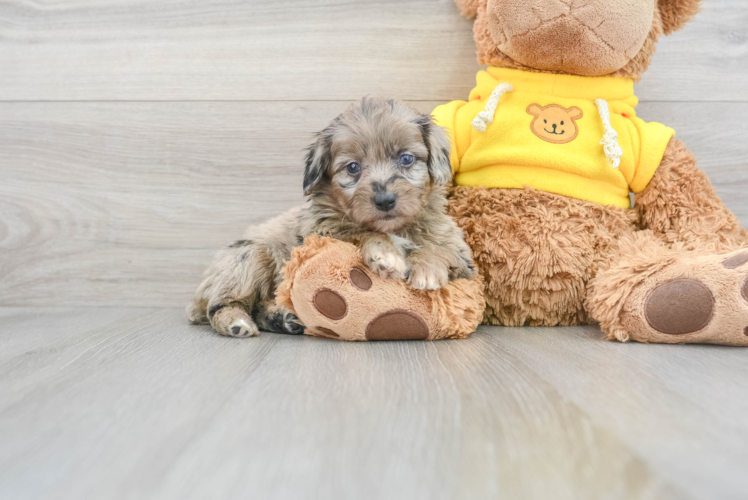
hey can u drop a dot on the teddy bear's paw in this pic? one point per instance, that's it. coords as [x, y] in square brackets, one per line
[697, 300]
[337, 296]
[366, 307]
[428, 276]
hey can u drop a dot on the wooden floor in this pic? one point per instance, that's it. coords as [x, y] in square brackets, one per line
[137, 137]
[134, 403]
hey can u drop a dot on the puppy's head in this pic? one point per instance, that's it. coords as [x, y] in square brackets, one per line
[377, 163]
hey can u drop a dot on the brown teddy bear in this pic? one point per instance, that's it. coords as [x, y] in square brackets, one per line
[545, 152]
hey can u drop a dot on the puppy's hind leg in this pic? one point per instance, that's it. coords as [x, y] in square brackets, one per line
[233, 321]
[197, 313]
[233, 285]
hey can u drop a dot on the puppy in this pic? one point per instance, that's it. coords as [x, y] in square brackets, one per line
[376, 177]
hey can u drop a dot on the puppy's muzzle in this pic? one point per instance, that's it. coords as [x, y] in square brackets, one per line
[385, 201]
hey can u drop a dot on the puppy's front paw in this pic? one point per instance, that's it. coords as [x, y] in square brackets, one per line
[286, 322]
[386, 262]
[428, 276]
[464, 271]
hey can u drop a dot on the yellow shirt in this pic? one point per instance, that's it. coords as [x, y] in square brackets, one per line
[546, 134]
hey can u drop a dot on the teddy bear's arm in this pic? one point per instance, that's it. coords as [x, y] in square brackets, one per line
[680, 205]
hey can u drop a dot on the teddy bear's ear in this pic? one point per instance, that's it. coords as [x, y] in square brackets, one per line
[676, 13]
[318, 160]
[534, 109]
[436, 141]
[469, 8]
[575, 113]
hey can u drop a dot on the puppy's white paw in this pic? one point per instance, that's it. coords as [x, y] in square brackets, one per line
[241, 328]
[424, 276]
[385, 262]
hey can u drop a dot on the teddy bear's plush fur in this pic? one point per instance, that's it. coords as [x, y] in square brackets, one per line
[670, 269]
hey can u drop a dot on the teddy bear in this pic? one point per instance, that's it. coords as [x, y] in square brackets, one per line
[545, 153]
[327, 285]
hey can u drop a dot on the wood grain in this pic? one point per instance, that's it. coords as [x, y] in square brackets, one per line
[304, 50]
[125, 203]
[134, 403]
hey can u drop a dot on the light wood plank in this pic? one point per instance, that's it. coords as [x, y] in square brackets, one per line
[304, 50]
[708, 55]
[153, 408]
[108, 411]
[666, 392]
[125, 203]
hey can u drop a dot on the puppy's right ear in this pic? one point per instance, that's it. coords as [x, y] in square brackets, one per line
[318, 160]
[436, 141]
[469, 8]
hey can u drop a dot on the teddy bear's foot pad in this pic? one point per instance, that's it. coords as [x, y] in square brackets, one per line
[679, 306]
[397, 325]
[700, 299]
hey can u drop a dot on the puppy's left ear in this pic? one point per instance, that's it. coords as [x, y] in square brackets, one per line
[437, 143]
[676, 13]
[318, 160]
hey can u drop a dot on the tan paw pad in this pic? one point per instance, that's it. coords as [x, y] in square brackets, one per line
[735, 261]
[331, 304]
[679, 306]
[360, 279]
[397, 324]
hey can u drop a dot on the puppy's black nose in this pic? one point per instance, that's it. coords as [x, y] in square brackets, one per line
[554, 127]
[385, 201]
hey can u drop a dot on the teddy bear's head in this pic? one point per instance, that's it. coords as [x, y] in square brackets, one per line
[577, 37]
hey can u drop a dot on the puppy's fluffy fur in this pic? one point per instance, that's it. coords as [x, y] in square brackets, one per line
[376, 177]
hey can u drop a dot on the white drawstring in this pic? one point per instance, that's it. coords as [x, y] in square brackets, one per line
[485, 117]
[610, 140]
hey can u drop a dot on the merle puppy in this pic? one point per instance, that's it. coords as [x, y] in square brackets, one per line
[376, 176]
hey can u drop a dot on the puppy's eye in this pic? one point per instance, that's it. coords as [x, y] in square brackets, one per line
[545, 121]
[407, 160]
[353, 168]
[562, 123]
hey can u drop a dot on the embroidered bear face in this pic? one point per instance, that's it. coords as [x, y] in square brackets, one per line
[555, 123]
